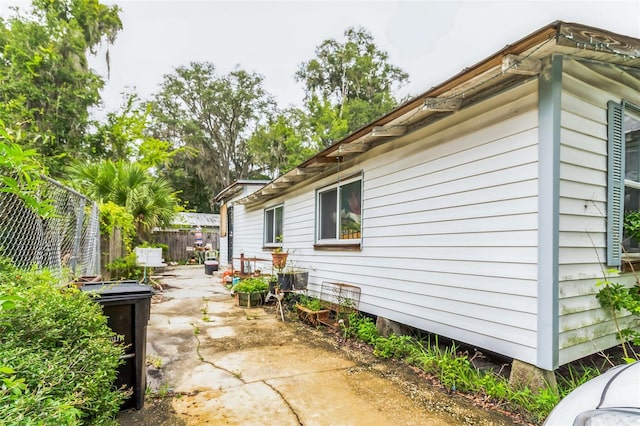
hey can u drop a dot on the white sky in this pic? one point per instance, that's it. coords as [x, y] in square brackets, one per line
[431, 40]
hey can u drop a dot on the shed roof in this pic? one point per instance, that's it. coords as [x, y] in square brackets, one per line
[510, 66]
[236, 187]
[204, 220]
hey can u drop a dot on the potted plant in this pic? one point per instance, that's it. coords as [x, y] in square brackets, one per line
[311, 310]
[293, 279]
[279, 256]
[250, 292]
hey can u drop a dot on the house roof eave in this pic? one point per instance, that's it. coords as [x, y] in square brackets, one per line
[556, 37]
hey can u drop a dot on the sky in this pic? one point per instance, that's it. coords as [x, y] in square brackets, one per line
[430, 40]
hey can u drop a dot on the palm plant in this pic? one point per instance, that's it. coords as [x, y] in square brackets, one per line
[150, 199]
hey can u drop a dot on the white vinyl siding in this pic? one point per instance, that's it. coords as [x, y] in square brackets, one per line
[449, 240]
[454, 228]
[584, 327]
[239, 235]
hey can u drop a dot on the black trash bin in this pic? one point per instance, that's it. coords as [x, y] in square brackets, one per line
[210, 266]
[127, 304]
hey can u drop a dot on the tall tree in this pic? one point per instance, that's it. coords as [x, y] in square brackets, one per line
[354, 77]
[46, 86]
[282, 143]
[213, 115]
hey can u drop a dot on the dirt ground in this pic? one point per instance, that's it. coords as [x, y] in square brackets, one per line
[211, 362]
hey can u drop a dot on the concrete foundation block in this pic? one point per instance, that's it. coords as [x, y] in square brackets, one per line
[387, 327]
[527, 375]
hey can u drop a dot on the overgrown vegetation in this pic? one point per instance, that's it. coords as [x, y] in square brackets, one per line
[48, 86]
[456, 371]
[251, 285]
[20, 172]
[621, 299]
[125, 268]
[58, 363]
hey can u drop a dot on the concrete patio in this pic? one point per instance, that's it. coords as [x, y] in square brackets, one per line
[211, 362]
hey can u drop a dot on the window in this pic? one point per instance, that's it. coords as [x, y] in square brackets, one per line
[340, 212]
[624, 179]
[273, 219]
[631, 176]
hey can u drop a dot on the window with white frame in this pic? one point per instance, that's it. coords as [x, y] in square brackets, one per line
[623, 200]
[339, 215]
[273, 221]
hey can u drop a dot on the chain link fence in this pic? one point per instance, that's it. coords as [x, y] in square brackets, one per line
[68, 240]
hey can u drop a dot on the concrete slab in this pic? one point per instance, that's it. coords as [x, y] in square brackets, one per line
[217, 363]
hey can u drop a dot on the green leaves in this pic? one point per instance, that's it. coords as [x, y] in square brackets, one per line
[251, 285]
[354, 77]
[631, 224]
[20, 174]
[311, 303]
[618, 298]
[57, 361]
[10, 383]
[8, 302]
[285, 141]
[47, 86]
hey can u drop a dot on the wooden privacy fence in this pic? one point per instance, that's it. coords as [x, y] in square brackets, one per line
[112, 247]
[179, 240]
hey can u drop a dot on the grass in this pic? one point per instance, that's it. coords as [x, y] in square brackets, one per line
[456, 371]
[156, 362]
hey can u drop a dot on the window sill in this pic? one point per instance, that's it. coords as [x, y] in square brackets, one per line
[630, 262]
[338, 247]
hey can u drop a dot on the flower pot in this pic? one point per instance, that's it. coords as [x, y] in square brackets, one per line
[286, 281]
[300, 280]
[250, 300]
[279, 260]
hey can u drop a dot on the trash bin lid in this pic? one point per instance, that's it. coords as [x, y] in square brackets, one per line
[210, 262]
[118, 290]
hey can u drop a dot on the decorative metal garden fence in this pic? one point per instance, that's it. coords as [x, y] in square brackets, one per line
[67, 241]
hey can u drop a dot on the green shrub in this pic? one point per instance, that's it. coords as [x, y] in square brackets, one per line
[394, 346]
[58, 363]
[362, 328]
[251, 285]
[125, 268]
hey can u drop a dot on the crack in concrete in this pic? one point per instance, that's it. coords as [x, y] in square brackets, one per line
[301, 374]
[285, 401]
[202, 359]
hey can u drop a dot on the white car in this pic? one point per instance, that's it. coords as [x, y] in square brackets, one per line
[612, 398]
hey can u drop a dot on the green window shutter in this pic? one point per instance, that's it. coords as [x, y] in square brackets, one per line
[615, 190]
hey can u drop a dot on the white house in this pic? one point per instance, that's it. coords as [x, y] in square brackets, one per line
[485, 209]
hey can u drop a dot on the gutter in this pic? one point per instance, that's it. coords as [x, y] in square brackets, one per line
[569, 36]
